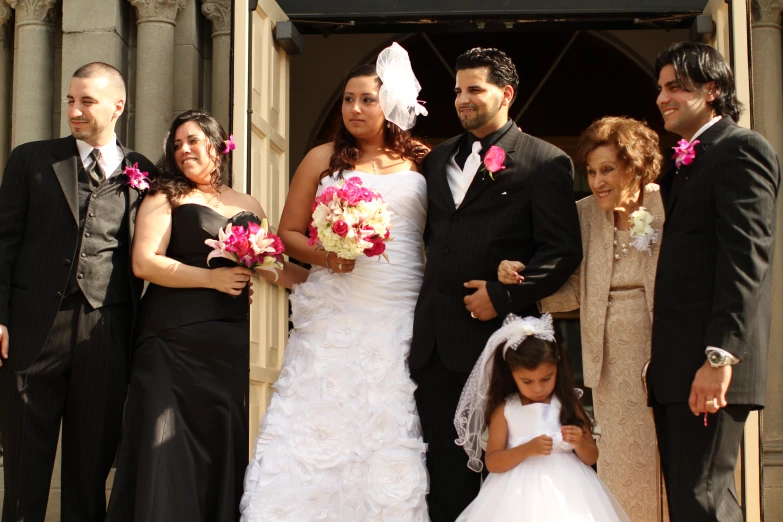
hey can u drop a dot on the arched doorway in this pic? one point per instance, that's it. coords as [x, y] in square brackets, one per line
[568, 79]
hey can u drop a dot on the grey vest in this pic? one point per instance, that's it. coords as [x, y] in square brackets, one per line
[101, 266]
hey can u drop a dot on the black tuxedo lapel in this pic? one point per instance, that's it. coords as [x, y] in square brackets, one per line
[706, 140]
[65, 168]
[133, 194]
[507, 142]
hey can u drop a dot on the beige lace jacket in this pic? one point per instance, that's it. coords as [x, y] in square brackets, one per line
[588, 288]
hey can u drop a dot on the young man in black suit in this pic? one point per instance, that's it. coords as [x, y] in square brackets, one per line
[476, 219]
[67, 302]
[713, 285]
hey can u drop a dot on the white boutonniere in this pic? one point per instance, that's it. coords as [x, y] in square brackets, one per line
[642, 233]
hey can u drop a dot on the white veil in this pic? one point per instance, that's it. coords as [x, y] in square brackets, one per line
[400, 89]
[470, 417]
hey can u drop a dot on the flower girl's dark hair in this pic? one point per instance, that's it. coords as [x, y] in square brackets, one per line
[529, 355]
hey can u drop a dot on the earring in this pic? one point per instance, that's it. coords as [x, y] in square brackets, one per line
[637, 177]
[388, 125]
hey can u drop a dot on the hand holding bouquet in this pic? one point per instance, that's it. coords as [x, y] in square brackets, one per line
[351, 220]
[252, 246]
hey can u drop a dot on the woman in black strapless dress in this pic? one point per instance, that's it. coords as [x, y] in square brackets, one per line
[184, 447]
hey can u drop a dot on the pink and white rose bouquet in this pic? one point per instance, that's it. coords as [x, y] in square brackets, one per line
[252, 246]
[351, 220]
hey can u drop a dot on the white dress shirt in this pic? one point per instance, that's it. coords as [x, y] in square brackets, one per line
[706, 126]
[111, 155]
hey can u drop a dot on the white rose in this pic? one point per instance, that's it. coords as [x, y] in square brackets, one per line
[322, 438]
[396, 479]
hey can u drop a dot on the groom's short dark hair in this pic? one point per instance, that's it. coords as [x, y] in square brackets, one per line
[502, 70]
[697, 64]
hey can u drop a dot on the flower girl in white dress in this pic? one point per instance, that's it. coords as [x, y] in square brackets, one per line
[540, 445]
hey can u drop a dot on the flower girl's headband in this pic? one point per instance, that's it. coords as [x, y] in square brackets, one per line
[400, 89]
[470, 417]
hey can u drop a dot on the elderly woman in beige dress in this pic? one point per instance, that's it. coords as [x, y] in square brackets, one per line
[621, 224]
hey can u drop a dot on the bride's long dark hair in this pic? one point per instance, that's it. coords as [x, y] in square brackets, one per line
[346, 151]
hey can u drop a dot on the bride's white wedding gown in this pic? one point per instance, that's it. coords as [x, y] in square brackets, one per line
[341, 439]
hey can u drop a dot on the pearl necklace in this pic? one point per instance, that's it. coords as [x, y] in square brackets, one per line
[620, 245]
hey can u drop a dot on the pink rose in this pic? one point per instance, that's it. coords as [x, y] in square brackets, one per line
[367, 195]
[351, 194]
[494, 158]
[253, 228]
[312, 236]
[277, 246]
[238, 242]
[366, 231]
[378, 247]
[340, 228]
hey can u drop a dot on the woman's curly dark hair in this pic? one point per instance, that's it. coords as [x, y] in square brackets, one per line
[636, 143]
[346, 151]
[529, 355]
[170, 180]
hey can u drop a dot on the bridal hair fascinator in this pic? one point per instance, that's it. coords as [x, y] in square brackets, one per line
[400, 89]
[470, 420]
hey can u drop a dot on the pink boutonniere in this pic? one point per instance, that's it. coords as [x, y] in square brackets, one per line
[229, 145]
[684, 153]
[493, 160]
[136, 178]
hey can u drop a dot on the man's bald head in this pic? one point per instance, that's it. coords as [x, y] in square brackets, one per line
[103, 70]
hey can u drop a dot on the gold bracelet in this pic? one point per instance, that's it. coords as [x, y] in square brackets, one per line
[327, 263]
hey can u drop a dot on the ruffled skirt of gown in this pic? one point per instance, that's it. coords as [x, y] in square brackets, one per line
[341, 440]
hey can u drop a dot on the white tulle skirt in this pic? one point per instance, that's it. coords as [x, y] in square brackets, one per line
[553, 488]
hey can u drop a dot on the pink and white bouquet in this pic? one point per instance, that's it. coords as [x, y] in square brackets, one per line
[251, 245]
[351, 220]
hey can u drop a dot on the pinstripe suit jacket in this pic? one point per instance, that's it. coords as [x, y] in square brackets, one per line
[39, 231]
[714, 281]
[526, 213]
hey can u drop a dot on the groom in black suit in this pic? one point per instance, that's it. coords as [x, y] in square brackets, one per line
[67, 302]
[713, 285]
[476, 219]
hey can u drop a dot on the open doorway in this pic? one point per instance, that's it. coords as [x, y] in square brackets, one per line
[568, 79]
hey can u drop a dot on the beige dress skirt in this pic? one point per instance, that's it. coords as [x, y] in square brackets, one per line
[628, 457]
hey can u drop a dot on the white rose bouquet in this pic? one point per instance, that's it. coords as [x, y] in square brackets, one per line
[351, 220]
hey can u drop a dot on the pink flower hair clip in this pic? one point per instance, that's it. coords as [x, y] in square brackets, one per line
[229, 145]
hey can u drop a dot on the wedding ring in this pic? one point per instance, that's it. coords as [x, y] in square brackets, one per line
[711, 402]
[339, 266]
[473, 315]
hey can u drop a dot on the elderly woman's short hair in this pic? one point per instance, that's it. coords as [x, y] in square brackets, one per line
[637, 145]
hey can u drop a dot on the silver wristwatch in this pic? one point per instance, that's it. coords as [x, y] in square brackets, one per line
[720, 358]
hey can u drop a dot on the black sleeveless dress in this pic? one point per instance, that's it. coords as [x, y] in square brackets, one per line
[184, 447]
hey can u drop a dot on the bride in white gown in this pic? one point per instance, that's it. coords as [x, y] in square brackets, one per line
[341, 439]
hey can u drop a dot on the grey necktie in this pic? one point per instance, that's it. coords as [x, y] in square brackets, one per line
[94, 170]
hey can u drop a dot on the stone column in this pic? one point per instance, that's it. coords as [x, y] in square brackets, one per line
[93, 31]
[768, 120]
[154, 72]
[219, 13]
[33, 70]
[5, 85]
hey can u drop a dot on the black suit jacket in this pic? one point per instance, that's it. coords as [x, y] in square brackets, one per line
[526, 213]
[39, 233]
[714, 278]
